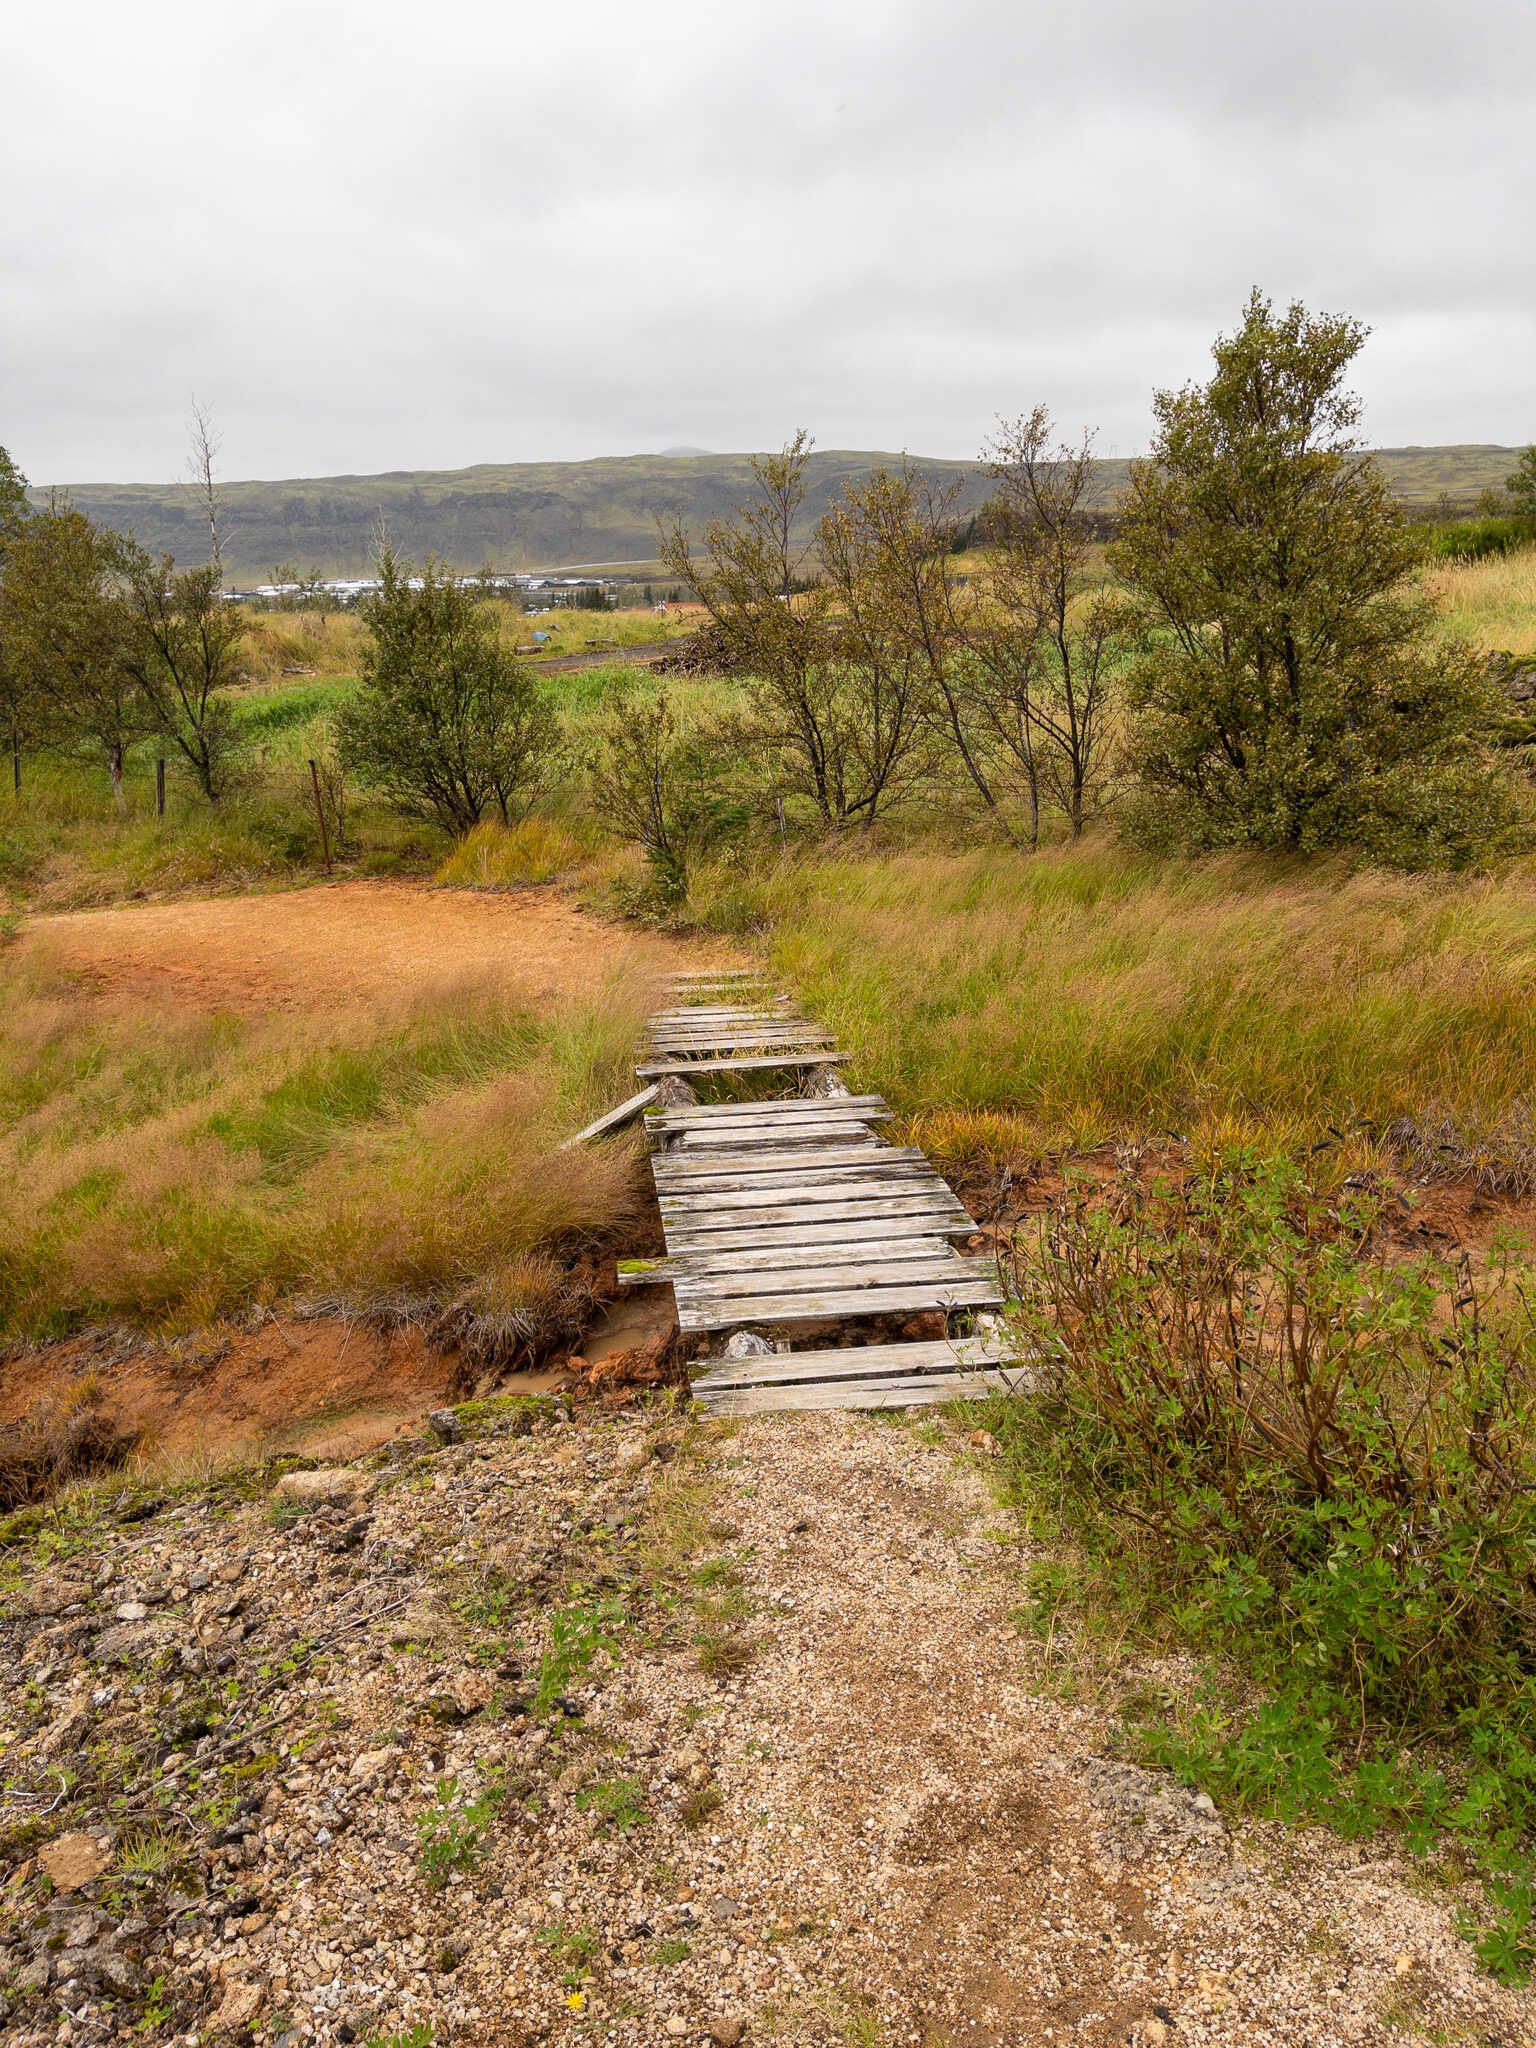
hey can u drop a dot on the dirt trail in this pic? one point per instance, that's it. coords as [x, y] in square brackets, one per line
[823, 1793]
[321, 947]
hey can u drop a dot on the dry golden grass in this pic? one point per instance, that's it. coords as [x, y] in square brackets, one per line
[1490, 603]
[1089, 994]
[165, 1169]
[496, 856]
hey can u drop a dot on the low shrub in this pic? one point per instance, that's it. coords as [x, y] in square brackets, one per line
[1272, 1437]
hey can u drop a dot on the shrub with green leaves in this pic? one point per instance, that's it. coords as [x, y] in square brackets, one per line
[1287, 694]
[445, 723]
[1293, 1444]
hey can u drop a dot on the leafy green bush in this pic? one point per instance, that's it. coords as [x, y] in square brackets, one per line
[1281, 1441]
[1470, 540]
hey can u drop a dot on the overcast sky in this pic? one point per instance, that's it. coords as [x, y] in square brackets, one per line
[399, 236]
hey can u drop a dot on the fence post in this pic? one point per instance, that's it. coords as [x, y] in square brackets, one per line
[325, 837]
[160, 789]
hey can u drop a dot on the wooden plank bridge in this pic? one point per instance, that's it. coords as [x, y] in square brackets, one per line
[793, 1210]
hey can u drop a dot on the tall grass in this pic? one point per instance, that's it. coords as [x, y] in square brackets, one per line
[1490, 602]
[162, 1169]
[1089, 994]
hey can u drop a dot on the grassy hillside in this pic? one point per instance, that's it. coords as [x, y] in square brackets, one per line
[543, 514]
[505, 515]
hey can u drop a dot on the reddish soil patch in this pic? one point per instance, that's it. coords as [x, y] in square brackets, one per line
[1441, 1216]
[320, 947]
[330, 1387]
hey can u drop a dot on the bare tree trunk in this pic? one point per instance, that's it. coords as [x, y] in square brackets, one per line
[204, 449]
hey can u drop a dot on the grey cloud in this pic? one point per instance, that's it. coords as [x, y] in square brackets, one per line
[388, 237]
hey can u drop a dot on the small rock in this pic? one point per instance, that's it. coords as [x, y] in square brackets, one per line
[372, 1763]
[34, 1976]
[107, 1965]
[50, 1596]
[726, 2033]
[73, 1860]
[747, 1344]
[1204, 1803]
[445, 1426]
[677, 2027]
[634, 1455]
[330, 1486]
[132, 1610]
[1402, 1964]
[238, 2007]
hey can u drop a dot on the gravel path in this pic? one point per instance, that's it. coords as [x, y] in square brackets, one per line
[633, 1731]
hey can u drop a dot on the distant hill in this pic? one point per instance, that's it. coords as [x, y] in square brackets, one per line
[539, 515]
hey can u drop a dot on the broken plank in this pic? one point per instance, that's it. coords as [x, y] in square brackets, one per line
[861, 1361]
[625, 1113]
[915, 1392]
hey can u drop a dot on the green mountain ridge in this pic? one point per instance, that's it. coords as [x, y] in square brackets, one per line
[542, 515]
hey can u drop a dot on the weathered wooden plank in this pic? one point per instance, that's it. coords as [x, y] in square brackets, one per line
[686, 1244]
[729, 1037]
[791, 1258]
[649, 1070]
[720, 1042]
[849, 1265]
[680, 1167]
[613, 1118]
[812, 1189]
[727, 1181]
[862, 1361]
[696, 1288]
[696, 1016]
[716, 974]
[728, 1020]
[743, 1139]
[778, 1105]
[920, 1389]
[942, 1218]
[724, 1313]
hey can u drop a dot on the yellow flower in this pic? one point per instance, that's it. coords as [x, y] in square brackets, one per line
[577, 2001]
